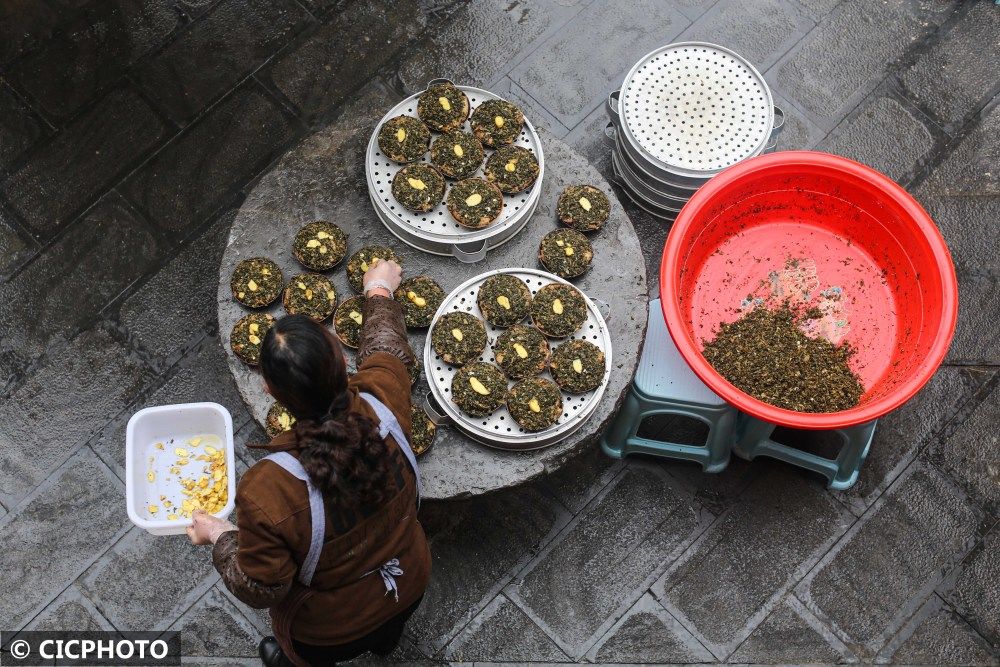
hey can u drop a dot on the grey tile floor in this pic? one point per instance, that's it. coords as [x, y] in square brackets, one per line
[131, 130]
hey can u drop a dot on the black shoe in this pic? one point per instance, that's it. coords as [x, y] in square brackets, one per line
[270, 652]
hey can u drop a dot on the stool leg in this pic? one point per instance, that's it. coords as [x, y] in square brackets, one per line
[720, 439]
[754, 440]
[713, 456]
[623, 427]
[857, 442]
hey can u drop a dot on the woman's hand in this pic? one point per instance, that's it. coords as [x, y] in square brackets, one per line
[206, 529]
[386, 275]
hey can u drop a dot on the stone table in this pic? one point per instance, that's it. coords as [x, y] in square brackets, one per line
[324, 178]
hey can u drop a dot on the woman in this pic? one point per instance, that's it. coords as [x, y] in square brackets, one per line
[349, 588]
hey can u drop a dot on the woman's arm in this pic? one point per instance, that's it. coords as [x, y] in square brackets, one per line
[382, 325]
[252, 592]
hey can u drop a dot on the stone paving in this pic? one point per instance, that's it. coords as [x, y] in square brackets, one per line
[131, 130]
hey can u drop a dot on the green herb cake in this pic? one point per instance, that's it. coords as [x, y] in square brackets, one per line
[497, 123]
[521, 352]
[247, 336]
[479, 389]
[256, 282]
[457, 154]
[420, 297]
[418, 187]
[566, 253]
[403, 139]
[474, 203]
[512, 169]
[422, 431]
[577, 366]
[558, 310]
[458, 337]
[503, 300]
[320, 245]
[535, 403]
[364, 259]
[347, 321]
[310, 294]
[583, 207]
[443, 107]
[279, 420]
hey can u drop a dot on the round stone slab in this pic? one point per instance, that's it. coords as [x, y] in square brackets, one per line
[324, 179]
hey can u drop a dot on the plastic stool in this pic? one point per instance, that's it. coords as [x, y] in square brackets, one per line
[753, 439]
[664, 384]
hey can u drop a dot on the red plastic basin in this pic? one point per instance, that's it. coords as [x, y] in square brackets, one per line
[863, 235]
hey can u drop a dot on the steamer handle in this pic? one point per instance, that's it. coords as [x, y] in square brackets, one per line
[612, 105]
[603, 307]
[467, 257]
[430, 407]
[610, 133]
[616, 176]
[435, 82]
[779, 119]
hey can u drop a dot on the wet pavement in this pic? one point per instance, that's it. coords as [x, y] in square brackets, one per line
[132, 130]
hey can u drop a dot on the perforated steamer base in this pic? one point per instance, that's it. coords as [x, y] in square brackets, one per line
[695, 108]
[436, 231]
[499, 430]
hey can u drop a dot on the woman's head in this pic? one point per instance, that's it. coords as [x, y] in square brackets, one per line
[304, 368]
[303, 365]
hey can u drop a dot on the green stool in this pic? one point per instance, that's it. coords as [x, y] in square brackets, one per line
[753, 439]
[664, 384]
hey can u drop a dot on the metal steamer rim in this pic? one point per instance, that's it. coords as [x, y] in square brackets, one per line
[695, 108]
[499, 430]
[437, 225]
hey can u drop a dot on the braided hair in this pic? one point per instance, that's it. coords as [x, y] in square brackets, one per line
[342, 451]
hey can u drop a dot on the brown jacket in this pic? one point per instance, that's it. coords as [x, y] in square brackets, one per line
[259, 561]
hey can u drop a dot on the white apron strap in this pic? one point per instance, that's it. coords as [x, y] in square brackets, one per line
[388, 424]
[316, 512]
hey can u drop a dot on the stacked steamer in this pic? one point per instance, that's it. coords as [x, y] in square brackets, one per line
[684, 113]
[454, 170]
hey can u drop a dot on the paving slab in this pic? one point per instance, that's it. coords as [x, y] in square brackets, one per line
[971, 167]
[580, 479]
[735, 574]
[879, 573]
[714, 491]
[202, 169]
[966, 222]
[648, 634]
[70, 612]
[759, 30]
[885, 133]
[976, 593]
[213, 627]
[971, 454]
[475, 551]
[19, 128]
[30, 532]
[840, 61]
[503, 633]
[322, 179]
[24, 26]
[106, 251]
[957, 74]
[91, 52]
[145, 582]
[572, 69]
[977, 339]
[200, 376]
[787, 637]
[819, 8]
[900, 434]
[231, 41]
[326, 67]
[15, 250]
[466, 51]
[939, 636]
[798, 132]
[601, 564]
[177, 306]
[84, 385]
[83, 160]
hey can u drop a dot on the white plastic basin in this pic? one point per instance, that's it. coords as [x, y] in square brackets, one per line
[162, 424]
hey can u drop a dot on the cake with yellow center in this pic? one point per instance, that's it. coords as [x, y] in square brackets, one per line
[535, 403]
[256, 282]
[418, 187]
[364, 259]
[310, 294]
[512, 169]
[521, 352]
[566, 253]
[583, 207]
[497, 123]
[403, 139]
[503, 300]
[347, 321]
[420, 297]
[577, 366]
[320, 245]
[458, 337]
[474, 203]
[558, 310]
[248, 335]
[457, 154]
[478, 389]
[443, 107]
